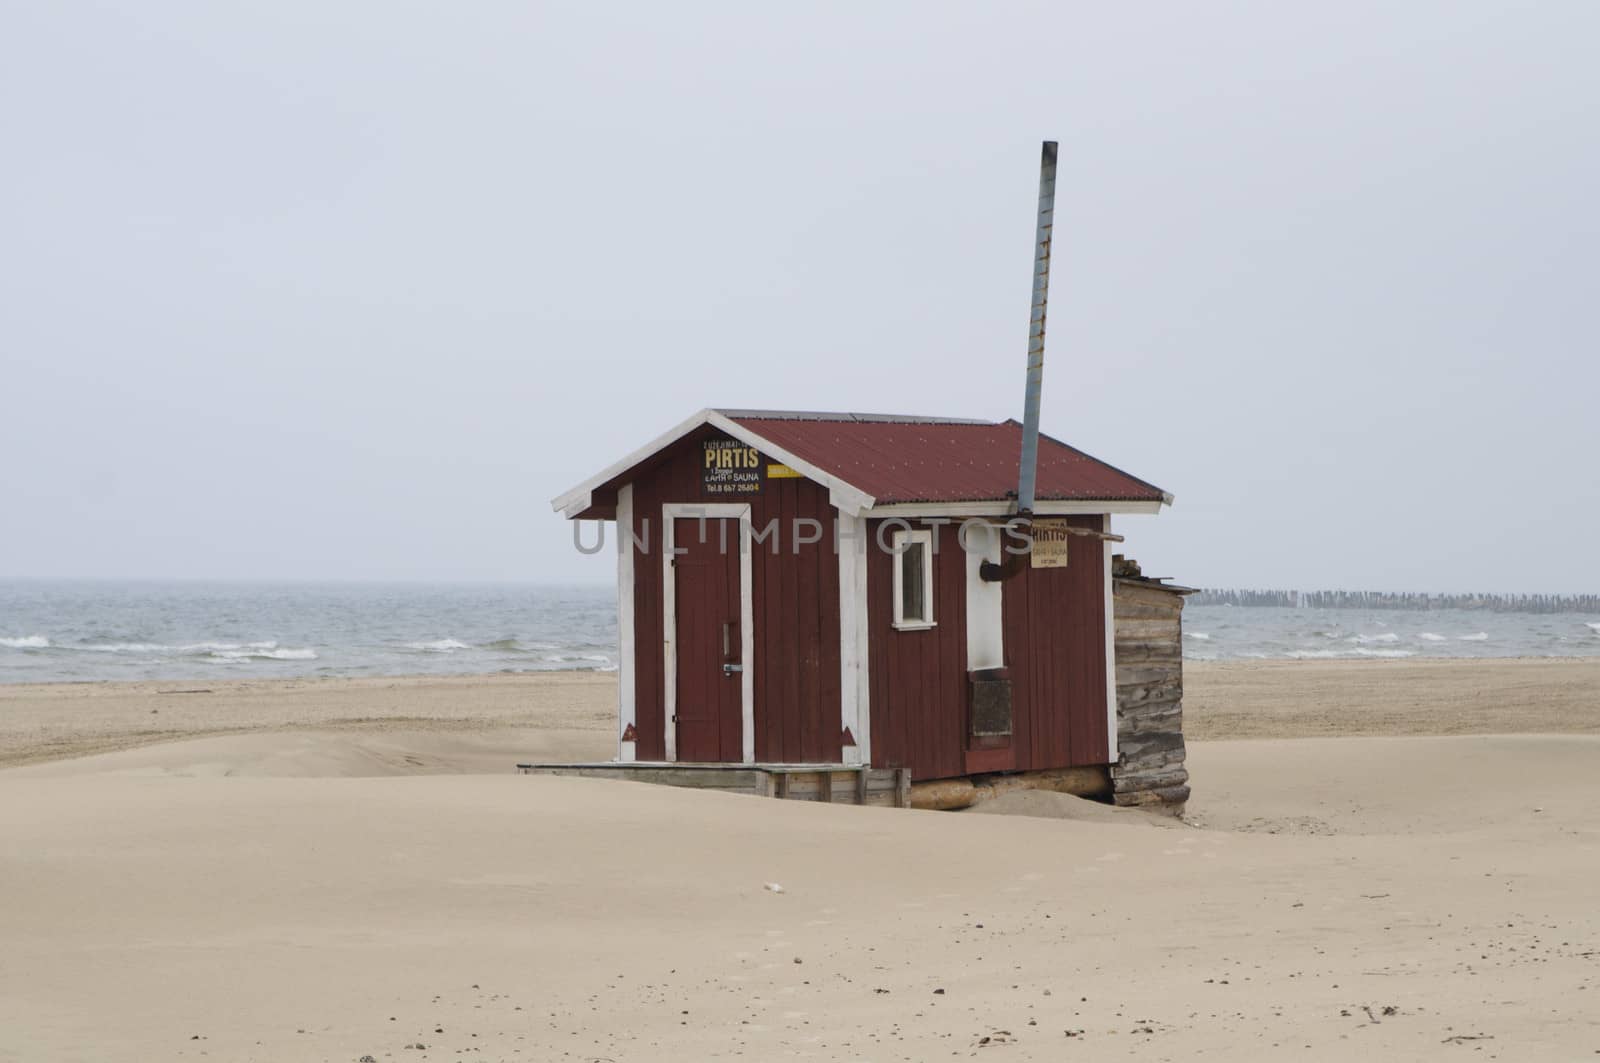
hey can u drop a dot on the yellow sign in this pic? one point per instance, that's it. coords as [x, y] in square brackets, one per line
[1050, 537]
[730, 468]
[781, 472]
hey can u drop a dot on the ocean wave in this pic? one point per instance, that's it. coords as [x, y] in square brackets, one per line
[1345, 655]
[202, 648]
[1201, 635]
[26, 642]
[1387, 636]
[246, 654]
[438, 646]
[1482, 636]
[1595, 627]
[1428, 636]
[505, 646]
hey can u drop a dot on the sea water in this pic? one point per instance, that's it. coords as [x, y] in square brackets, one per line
[66, 631]
[1224, 632]
[52, 631]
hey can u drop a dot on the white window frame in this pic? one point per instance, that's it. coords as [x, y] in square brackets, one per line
[899, 543]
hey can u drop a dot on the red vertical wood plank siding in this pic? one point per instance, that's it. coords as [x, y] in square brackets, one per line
[918, 678]
[795, 611]
[1054, 621]
[648, 665]
[1055, 645]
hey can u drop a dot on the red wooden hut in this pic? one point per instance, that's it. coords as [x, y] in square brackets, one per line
[843, 589]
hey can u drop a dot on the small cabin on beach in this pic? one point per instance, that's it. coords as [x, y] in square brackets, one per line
[852, 593]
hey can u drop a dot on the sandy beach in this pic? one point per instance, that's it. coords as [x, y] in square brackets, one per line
[1390, 857]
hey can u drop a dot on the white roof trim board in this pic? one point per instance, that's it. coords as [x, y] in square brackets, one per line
[847, 498]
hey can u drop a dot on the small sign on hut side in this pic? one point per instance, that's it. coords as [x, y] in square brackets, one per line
[1050, 537]
[730, 468]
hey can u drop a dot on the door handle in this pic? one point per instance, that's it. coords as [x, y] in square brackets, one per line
[730, 669]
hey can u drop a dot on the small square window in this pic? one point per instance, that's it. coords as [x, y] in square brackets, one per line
[913, 579]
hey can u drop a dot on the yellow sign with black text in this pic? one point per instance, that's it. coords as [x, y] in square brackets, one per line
[1050, 538]
[730, 468]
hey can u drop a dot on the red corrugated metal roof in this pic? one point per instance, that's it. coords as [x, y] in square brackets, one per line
[911, 459]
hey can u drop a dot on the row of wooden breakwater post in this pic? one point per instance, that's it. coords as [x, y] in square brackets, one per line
[1420, 602]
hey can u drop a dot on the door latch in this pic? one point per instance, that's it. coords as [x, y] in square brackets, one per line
[730, 669]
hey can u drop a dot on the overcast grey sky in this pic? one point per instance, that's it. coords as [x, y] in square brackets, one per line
[351, 290]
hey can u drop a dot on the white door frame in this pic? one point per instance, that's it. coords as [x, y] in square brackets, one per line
[674, 511]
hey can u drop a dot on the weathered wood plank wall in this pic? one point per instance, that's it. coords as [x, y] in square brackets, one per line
[1149, 649]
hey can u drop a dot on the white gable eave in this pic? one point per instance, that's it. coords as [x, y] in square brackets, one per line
[848, 498]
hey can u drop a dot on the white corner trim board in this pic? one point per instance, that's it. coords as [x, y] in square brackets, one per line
[670, 512]
[854, 690]
[1111, 647]
[627, 709]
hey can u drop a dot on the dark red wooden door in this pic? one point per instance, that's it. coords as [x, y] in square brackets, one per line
[708, 680]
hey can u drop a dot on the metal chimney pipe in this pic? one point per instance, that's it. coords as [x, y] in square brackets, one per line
[1041, 296]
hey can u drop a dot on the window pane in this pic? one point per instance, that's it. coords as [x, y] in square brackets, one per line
[913, 595]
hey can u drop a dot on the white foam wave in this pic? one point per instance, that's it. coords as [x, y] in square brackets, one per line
[573, 658]
[26, 642]
[1595, 627]
[126, 647]
[1428, 636]
[265, 655]
[1201, 635]
[1344, 655]
[1387, 636]
[187, 647]
[1482, 636]
[437, 646]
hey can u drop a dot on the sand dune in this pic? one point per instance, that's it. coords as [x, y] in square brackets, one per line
[318, 884]
[1258, 699]
[542, 918]
[48, 721]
